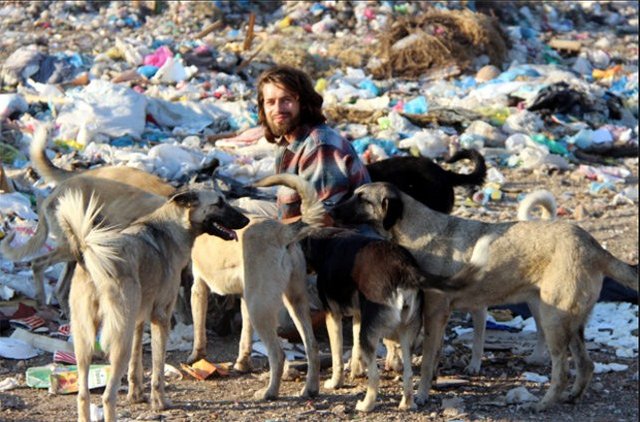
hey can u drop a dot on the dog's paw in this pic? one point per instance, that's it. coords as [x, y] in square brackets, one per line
[365, 405]
[407, 404]
[332, 384]
[357, 369]
[195, 356]
[569, 397]
[472, 369]
[421, 399]
[135, 395]
[243, 366]
[309, 391]
[159, 403]
[265, 394]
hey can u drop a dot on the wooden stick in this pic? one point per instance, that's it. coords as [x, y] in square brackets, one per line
[209, 29]
[249, 37]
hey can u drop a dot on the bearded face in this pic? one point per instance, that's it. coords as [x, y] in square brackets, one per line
[281, 109]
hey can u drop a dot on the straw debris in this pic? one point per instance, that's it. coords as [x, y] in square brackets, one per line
[414, 45]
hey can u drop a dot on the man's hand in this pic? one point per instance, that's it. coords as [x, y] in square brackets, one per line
[291, 219]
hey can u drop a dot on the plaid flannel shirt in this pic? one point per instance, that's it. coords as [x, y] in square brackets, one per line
[325, 159]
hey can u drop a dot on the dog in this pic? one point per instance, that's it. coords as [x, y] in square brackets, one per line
[131, 275]
[427, 182]
[127, 175]
[555, 267]
[266, 266]
[125, 194]
[121, 205]
[377, 282]
[540, 202]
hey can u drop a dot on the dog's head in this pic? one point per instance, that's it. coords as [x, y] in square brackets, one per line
[378, 204]
[210, 213]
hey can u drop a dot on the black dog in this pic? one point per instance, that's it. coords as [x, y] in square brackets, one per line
[426, 181]
[380, 284]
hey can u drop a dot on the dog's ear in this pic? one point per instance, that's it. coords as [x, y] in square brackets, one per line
[392, 209]
[186, 199]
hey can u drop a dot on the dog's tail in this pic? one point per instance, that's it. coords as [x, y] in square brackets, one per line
[94, 247]
[539, 198]
[39, 160]
[311, 208]
[477, 176]
[468, 274]
[623, 273]
[32, 245]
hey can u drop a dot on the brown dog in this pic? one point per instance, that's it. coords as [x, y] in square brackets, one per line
[555, 267]
[131, 275]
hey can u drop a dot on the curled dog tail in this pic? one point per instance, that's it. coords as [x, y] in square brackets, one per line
[312, 209]
[39, 160]
[32, 245]
[539, 198]
[477, 176]
[468, 274]
[94, 248]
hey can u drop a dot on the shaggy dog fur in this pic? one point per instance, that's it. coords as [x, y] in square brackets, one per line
[129, 276]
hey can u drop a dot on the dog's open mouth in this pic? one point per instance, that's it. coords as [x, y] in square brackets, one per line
[216, 229]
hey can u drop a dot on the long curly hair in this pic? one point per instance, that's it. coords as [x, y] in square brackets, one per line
[297, 82]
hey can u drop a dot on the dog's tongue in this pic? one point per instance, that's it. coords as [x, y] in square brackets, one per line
[234, 235]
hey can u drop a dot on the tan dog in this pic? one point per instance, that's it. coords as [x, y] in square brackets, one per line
[133, 276]
[266, 267]
[121, 205]
[128, 175]
[543, 201]
[555, 267]
[125, 194]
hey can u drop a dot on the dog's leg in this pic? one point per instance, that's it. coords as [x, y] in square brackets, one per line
[63, 286]
[435, 316]
[539, 354]
[368, 345]
[479, 317]
[406, 339]
[199, 297]
[264, 319]
[583, 364]
[243, 363]
[357, 366]
[159, 333]
[558, 337]
[83, 326]
[393, 360]
[334, 329]
[136, 386]
[41, 263]
[297, 303]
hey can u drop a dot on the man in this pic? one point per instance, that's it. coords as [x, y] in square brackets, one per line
[290, 111]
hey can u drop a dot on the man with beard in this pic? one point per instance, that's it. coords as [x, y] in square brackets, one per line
[290, 110]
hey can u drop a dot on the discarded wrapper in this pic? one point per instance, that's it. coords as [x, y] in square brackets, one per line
[203, 369]
[63, 379]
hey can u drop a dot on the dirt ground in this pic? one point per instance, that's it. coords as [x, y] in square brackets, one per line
[611, 397]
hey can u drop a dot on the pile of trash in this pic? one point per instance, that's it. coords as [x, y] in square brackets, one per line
[169, 88]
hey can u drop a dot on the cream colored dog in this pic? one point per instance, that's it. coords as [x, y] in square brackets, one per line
[124, 193]
[555, 267]
[129, 276]
[266, 267]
